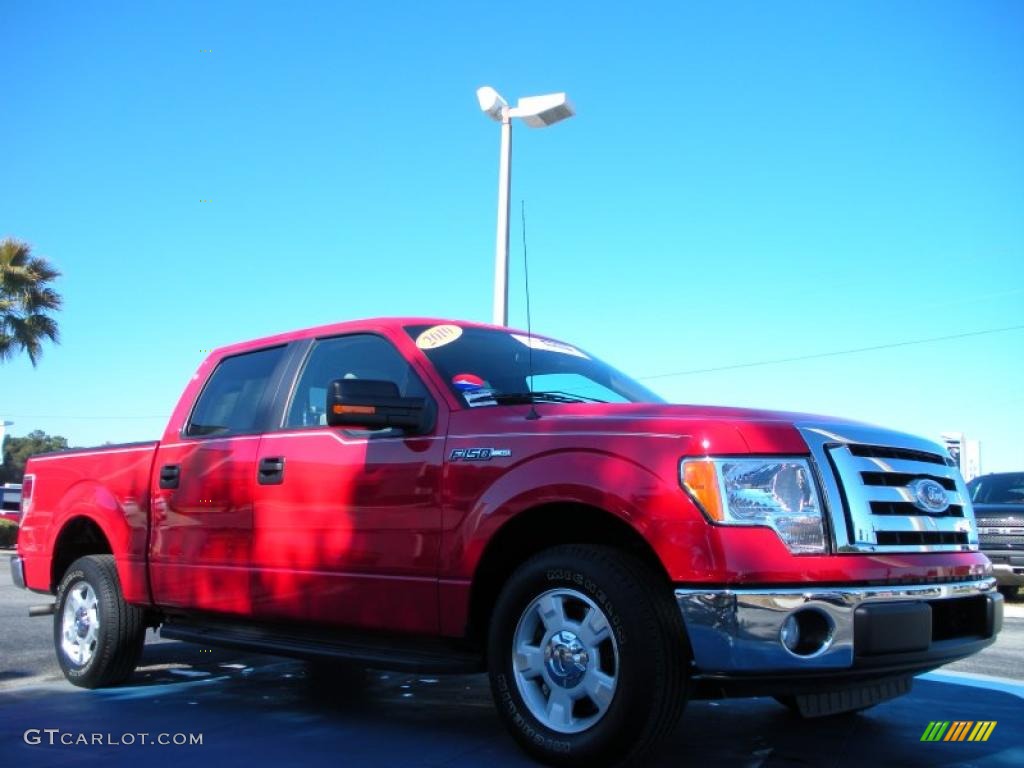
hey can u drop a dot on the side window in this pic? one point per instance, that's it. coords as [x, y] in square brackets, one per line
[230, 401]
[347, 357]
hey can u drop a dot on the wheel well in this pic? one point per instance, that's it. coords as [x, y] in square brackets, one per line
[531, 532]
[79, 537]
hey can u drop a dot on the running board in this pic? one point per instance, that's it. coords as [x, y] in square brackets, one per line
[385, 652]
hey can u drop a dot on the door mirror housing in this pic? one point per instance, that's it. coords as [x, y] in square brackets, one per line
[375, 404]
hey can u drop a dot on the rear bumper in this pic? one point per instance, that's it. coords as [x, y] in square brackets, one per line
[1007, 566]
[18, 571]
[850, 633]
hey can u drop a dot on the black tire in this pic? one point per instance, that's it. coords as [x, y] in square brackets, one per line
[115, 645]
[651, 665]
[1009, 592]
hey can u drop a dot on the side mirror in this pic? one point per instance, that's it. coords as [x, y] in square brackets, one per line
[374, 405]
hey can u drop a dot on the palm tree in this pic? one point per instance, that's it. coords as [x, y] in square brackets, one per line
[25, 300]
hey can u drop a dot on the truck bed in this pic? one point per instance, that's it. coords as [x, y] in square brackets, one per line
[111, 483]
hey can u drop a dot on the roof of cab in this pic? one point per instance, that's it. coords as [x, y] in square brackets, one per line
[350, 326]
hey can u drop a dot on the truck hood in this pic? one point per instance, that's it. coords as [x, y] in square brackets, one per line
[716, 429]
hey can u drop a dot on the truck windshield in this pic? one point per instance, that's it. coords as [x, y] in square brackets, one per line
[1005, 488]
[488, 367]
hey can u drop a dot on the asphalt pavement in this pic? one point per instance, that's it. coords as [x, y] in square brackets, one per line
[263, 710]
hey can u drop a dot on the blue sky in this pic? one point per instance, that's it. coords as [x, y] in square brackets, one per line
[743, 182]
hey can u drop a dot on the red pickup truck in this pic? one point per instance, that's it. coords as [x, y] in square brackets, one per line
[437, 495]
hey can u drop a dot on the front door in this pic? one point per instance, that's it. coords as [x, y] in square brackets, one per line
[347, 523]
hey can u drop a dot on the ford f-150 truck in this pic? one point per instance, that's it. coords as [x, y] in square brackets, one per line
[430, 494]
[998, 501]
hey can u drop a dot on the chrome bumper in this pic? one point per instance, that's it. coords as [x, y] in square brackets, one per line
[739, 630]
[1008, 575]
[18, 571]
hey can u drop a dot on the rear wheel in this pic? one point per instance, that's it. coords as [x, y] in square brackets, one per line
[97, 635]
[1009, 592]
[587, 657]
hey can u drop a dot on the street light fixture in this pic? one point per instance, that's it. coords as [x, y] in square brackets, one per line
[536, 112]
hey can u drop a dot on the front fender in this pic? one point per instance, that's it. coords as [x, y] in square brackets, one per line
[645, 496]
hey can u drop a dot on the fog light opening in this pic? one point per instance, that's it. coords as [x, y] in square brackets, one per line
[807, 632]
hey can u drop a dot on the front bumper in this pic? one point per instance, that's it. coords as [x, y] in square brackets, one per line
[1007, 567]
[875, 631]
[18, 571]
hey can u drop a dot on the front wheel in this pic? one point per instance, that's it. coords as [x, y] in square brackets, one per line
[587, 657]
[97, 635]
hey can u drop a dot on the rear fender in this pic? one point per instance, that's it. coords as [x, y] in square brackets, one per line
[123, 525]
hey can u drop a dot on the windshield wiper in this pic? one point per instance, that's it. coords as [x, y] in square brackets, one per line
[514, 398]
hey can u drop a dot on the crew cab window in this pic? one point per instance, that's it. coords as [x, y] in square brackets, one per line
[361, 356]
[230, 401]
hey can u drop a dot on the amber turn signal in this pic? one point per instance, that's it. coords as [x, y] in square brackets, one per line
[700, 477]
[354, 409]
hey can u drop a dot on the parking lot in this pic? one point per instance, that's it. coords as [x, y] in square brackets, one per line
[273, 710]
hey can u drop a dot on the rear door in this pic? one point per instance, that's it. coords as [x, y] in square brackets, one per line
[202, 489]
[347, 522]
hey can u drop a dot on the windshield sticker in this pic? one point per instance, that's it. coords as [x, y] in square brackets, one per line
[477, 397]
[548, 345]
[438, 336]
[467, 382]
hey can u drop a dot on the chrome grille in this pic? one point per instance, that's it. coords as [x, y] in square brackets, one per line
[866, 473]
[1005, 532]
[995, 541]
[906, 508]
[999, 521]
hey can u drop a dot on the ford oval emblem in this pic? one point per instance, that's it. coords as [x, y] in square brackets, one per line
[929, 496]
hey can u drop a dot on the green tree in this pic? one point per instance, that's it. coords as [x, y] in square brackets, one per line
[17, 450]
[25, 301]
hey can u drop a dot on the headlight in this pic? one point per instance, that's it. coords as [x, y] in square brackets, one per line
[778, 493]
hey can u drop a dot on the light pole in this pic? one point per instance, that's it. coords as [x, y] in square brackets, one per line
[536, 112]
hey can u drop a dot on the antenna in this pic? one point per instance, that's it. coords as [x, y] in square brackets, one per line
[532, 415]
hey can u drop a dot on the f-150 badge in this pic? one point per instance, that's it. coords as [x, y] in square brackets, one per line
[479, 454]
